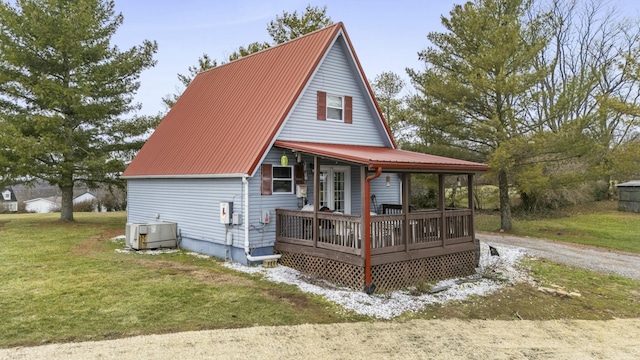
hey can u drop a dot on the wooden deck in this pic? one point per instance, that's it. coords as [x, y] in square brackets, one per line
[395, 238]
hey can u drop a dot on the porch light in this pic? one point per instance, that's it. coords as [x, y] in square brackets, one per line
[284, 161]
[388, 183]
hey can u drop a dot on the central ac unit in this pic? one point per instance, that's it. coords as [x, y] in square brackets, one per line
[153, 235]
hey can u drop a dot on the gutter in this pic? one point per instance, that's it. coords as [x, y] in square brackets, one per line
[183, 176]
[245, 182]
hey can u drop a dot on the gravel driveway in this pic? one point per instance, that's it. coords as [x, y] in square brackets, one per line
[587, 257]
[418, 339]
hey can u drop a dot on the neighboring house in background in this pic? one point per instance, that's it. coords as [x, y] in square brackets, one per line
[251, 142]
[89, 197]
[42, 205]
[53, 203]
[8, 201]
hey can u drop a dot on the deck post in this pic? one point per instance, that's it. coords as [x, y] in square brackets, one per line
[369, 288]
[471, 207]
[316, 199]
[365, 209]
[441, 205]
[406, 206]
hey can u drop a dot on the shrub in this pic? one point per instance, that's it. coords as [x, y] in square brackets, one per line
[85, 206]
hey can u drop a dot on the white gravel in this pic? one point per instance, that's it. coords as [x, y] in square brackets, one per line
[493, 273]
[499, 271]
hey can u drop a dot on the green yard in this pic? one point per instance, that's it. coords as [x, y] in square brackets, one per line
[596, 224]
[65, 282]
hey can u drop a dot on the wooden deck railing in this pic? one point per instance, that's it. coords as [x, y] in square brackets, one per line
[389, 233]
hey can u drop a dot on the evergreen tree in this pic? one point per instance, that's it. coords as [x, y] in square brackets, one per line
[387, 87]
[65, 92]
[477, 82]
[291, 26]
[283, 28]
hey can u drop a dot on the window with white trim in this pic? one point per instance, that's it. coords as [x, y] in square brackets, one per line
[334, 107]
[7, 195]
[282, 180]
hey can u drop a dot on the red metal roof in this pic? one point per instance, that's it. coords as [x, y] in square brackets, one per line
[387, 158]
[228, 116]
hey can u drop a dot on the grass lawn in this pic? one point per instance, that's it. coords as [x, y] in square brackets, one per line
[596, 224]
[65, 282]
[62, 282]
[603, 297]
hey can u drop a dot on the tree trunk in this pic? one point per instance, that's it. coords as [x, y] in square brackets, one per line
[505, 206]
[66, 213]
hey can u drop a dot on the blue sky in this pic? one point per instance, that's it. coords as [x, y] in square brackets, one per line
[386, 35]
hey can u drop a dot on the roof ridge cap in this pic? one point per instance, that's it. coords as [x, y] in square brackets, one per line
[338, 24]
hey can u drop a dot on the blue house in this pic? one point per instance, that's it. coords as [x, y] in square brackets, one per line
[279, 154]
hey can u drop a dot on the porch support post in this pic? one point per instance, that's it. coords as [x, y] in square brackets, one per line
[441, 205]
[316, 199]
[470, 198]
[363, 204]
[369, 288]
[406, 208]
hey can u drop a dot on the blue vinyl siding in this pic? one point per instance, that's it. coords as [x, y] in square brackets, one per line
[263, 235]
[337, 75]
[384, 194]
[194, 204]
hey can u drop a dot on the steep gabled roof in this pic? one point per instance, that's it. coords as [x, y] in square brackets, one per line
[55, 200]
[228, 117]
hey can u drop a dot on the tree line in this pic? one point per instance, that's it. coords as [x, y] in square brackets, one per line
[546, 92]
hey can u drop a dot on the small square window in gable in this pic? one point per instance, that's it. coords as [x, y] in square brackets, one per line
[334, 107]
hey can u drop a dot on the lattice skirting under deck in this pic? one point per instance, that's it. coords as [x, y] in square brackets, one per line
[386, 277]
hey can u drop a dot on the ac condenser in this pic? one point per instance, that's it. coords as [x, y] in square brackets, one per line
[152, 235]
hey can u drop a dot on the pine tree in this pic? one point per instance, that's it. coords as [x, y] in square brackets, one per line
[478, 78]
[65, 92]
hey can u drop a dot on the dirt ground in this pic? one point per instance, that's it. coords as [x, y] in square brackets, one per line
[417, 339]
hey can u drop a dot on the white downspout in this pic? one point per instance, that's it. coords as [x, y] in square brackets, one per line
[246, 227]
[245, 182]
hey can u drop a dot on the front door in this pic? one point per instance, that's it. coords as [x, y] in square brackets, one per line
[335, 188]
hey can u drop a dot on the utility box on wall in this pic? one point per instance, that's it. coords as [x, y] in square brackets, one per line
[226, 211]
[301, 190]
[265, 217]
